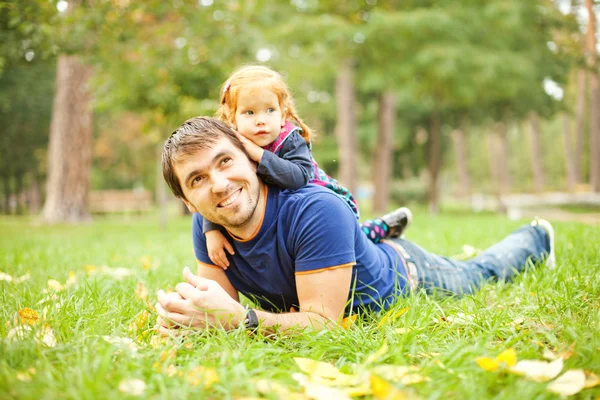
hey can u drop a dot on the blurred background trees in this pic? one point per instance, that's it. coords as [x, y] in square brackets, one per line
[412, 101]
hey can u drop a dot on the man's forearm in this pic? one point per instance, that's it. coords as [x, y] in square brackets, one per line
[271, 322]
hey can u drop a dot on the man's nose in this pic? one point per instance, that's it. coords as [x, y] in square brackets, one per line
[219, 182]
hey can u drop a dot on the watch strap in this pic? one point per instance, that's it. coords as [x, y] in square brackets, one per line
[251, 320]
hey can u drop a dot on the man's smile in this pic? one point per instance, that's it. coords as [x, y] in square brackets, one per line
[230, 199]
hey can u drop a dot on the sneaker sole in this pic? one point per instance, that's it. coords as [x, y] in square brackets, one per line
[547, 226]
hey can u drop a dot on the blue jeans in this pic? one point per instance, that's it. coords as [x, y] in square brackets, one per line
[501, 262]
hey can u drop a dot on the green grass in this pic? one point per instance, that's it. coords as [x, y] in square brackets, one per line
[560, 309]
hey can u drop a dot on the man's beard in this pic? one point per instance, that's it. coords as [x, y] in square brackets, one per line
[239, 218]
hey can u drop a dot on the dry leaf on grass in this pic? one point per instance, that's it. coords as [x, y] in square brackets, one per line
[349, 321]
[539, 371]
[378, 354]
[569, 383]
[133, 387]
[55, 285]
[400, 373]
[318, 391]
[15, 280]
[508, 358]
[322, 370]
[267, 388]
[202, 376]
[392, 315]
[28, 316]
[383, 390]
[141, 292]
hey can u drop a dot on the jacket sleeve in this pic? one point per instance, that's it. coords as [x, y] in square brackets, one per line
[293, 169]
[209, 226]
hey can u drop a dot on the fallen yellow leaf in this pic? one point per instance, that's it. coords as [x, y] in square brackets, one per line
[20, 332]
[394, 373]
[322, 370]
[539, 371]
[23, 376]
[168, 355]
[5, 277]
[141, 292]
[383, 390]
[71, 280]
[202, 376]
[55, 285]
[317, 391]
[591, 380]
[392, 315]
[28, 316]
[487, 363]
[569, 383]
[46, 336]
[378, 354]
[508, 357]
[134, 387]
[349, 321]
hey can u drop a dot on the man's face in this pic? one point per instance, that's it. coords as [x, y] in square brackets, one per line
[258, 116]
[221, 184]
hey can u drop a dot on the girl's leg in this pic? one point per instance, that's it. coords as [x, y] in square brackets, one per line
[502, 261]
[391, 225]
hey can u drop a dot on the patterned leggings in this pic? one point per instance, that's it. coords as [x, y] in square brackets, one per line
[375, 229]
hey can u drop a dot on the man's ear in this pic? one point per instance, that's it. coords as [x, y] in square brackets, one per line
[189, 206]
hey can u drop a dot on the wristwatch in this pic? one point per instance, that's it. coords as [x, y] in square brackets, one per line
[251, 320]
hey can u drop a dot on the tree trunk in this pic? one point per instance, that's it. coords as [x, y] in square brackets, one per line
[536, 153]
[579, 123]
[382, 166]
[70, 147]
[494, 163]
[503, 157]
[461, 151]
[569, 160]
[434, 161]
[6, 187]
[346, 125]
[19, 195]
[594, 100]
[35, 194]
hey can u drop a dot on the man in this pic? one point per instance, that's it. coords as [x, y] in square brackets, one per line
[300, 250]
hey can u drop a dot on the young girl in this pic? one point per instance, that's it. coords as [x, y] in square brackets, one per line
[256, 101]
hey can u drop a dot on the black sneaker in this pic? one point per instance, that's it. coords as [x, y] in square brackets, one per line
[397, 222]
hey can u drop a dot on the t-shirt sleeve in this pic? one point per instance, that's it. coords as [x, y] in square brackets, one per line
[199, 240]
[323, 235]
[292, 169]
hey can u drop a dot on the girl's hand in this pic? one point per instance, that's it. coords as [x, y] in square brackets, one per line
[254, 151]
[215, 243]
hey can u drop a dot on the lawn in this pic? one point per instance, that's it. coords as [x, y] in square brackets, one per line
[87, 285]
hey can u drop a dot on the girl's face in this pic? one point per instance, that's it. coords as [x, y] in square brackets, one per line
[258, 116]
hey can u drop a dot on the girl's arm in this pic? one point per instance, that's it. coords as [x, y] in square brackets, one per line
[293, 169]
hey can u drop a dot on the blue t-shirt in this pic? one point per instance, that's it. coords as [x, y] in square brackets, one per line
[306, 231]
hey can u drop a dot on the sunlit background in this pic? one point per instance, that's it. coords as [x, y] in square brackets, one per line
[445, 105]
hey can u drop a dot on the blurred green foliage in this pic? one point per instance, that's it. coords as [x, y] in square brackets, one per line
[164, 61]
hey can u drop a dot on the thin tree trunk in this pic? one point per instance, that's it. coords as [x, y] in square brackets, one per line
[494, 163]
[461, 152]
[35, 194]
[19, 193]
[6, 186]
[579, 123]
[503, 157]
[70, 148]
[346, 125]
[434, 161]
[569, 160]
[536, 153]
[594, 100]
[382, 167]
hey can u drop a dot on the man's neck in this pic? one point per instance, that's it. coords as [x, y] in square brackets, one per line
[251, 228]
